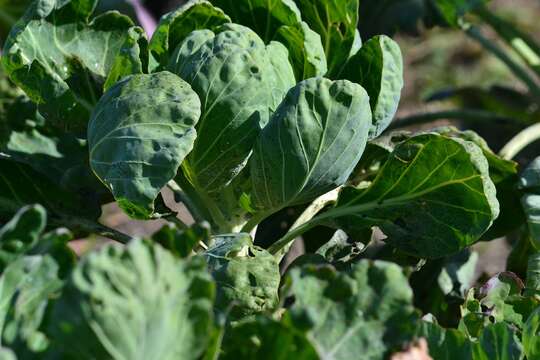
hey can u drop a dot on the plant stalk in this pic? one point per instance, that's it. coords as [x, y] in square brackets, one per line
[520, 142]
[93, 228]
[281, 249]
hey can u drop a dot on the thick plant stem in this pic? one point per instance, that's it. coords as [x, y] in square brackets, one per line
[184, 199]
[518, 70]
[304, 218]
[470, 116]
[520, 142]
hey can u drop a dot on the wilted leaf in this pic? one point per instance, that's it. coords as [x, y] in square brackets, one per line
[247, 276]
[312, 143]
[138, 302]
[139, 134]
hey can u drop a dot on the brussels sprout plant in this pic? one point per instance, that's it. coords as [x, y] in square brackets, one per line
[244, 109]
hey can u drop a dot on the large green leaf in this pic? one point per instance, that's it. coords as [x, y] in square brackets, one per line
[378, 67]
[63, 62]
[533, 274]
[504, 174]
[137, 302]
[176, 25]
[312, 143]
[26, 286]
[247, 276]
[281, 20]
[239, 83]
[367, 310]
[262, 338]
[432, 198]
[139, 134]
[335, 21]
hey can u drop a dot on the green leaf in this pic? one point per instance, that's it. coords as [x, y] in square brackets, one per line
[312, 143]
[21, 233]
[176, 25]
[432, 198]
[246, 275]
[139, 134]
[137, 302]
[306, 52]
[445, 344]
[281, 20]
[496, 342]
[335, 21]
[530, 184]
[26, 286]
[264, 17]
[531, 335]
[533, 274]
[234, 74]
[367, 310]
[504, 174]
[63, 61]
[262, 338]
[378, 67]
[25, 186]
[181, 242]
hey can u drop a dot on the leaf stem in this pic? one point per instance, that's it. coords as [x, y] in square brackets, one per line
[317, 205]
[520, 141]
[91, 227]
[184, 199]
[467, 115]
[519, 71]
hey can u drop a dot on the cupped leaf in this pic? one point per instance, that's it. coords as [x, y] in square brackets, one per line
[262, 338]
[139, 134]
[176, 25]
[378, 67]
[137, 302]
[367, 310]
[235, 75]
[312, 143]
[306, 52]
[26, 286]
[246, 275]
[335, 21]
[21, 233]
[63, 61]
[432, 198]
[281, 20]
